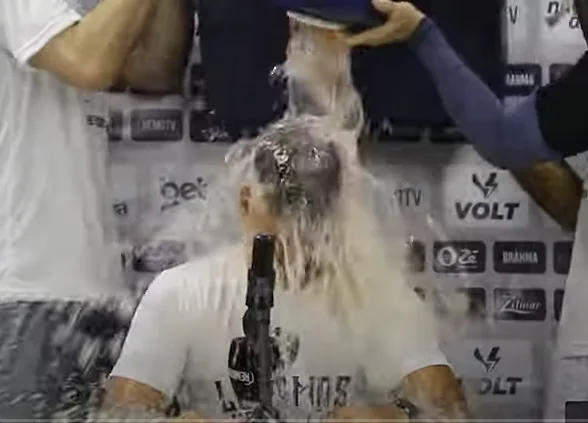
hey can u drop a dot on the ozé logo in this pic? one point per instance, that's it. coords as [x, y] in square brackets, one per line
[459, 257]
[486, 209]
[174, 193]
[495, 385]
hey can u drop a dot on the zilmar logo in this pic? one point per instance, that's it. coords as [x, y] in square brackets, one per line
[487, 208]
[520, 304]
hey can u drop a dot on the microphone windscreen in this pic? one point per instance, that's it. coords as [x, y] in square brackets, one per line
[262, 260]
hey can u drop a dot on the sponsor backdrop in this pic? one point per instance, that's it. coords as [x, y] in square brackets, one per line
[472, 228]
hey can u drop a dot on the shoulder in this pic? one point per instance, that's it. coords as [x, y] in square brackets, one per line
[28, 25]
[197, 281]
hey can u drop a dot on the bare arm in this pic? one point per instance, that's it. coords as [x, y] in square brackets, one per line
[92, 53]
[126, 398]
[433, 391]
[437, 393]
[158, 62]
[556, 188]
[126, 392]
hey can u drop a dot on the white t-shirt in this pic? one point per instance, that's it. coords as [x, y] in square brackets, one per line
[569, 372]
[56, 239]
[179, 342]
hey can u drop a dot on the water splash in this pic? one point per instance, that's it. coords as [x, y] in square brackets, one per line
[320, 83]
[369, 286]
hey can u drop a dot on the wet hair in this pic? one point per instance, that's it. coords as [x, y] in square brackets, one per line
[301, 172]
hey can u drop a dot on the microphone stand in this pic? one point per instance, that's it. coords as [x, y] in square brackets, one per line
[259, 300]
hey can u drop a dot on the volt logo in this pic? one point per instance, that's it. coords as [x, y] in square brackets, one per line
[488, 186]
[488, 209]
[490, 361]
[491, 384]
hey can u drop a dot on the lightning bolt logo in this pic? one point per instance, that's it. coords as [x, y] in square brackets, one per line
[489, 186]
[490, 361]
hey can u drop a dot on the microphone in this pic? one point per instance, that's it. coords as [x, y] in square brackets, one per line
[253, 357]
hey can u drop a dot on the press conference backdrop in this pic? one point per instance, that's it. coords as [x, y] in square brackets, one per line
[474, 228]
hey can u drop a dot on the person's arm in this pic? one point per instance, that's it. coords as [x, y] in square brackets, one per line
[88, 52]
[149, 369]
[431, 393]
[509, 137]
[556, 188]
[437, 393]
[530, 138]
[158, 62]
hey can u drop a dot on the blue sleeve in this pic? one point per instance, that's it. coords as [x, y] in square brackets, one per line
[508, 137]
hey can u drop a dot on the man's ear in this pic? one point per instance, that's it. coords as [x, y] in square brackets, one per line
[245, 200]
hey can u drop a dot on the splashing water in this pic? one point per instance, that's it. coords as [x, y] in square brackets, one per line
[318, 70]
[362, 241]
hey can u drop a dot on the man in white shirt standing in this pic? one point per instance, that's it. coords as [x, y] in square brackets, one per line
[58, 264]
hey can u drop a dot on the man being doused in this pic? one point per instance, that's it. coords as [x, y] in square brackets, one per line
[352, 335]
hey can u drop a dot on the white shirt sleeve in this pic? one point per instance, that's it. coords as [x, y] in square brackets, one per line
[405, 343]
[156, 348]
[386, 369]
[28, 25]
[424, 358]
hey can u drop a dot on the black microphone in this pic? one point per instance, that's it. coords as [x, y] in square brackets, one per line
[253, 357]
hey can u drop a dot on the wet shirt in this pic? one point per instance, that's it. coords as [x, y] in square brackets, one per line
[180, 344]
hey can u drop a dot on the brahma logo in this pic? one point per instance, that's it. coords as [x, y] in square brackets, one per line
[520, 257]
[484, 199]
[521, 79]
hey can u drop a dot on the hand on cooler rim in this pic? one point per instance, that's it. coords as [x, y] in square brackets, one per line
[402, 21]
